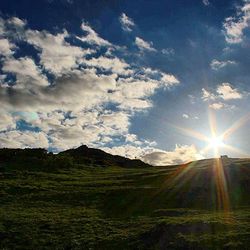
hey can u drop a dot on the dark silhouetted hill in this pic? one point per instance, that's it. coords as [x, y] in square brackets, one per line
[41, 159]
[86, 155]
[85, 198]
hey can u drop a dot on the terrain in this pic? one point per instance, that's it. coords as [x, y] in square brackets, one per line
[87, 199]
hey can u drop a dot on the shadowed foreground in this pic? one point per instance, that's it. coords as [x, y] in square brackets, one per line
[201, 205]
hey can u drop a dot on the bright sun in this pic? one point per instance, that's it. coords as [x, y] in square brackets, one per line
[216, 142]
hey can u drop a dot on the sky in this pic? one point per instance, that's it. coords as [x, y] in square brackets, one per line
[154, 80]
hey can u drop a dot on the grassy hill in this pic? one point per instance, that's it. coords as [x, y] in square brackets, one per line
[93, 202]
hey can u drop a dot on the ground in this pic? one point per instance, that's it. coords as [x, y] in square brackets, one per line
[84, 207]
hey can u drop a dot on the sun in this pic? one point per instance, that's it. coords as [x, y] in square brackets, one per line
[216, 142]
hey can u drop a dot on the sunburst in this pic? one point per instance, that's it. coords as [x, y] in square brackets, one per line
[215, 142]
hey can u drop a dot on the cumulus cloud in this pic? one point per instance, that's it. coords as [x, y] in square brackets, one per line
[224, 91]
[112, 64]
[186, 116]
[234, 26]
[143, 45]
[57, 56]
[6, 47]
[181, 154]
[157, 157]
[7, 121]
[71, 94]
[216, 65]
[26, 71]
[126, 22]
[227, 92]
[27, 139]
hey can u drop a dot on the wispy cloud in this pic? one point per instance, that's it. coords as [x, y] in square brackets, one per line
[234, 26]
[143, 45]
[92, 37]
[221, 105]
[216, 65]
[127, 23]
[206, 2]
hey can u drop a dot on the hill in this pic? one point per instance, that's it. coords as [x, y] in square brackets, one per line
[97, 157]
[40, 159]
[199, 205]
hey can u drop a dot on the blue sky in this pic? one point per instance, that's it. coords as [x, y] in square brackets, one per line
[142, 79]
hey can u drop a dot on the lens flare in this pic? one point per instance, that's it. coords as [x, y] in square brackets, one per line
[215, 142]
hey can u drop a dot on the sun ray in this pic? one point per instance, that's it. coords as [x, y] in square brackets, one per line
[193, 133]
[236, 150]
[212, 123]
[238, 124]
[223, 201]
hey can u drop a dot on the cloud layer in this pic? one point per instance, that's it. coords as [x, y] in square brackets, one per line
[77, 94]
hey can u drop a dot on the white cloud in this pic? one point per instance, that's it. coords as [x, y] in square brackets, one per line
[57, 55]
[217, 105]
[221, 105]
[234, 26]
[27, 73]
[13, 28]
[224, 91]
[6, 47]
[169, 80]
[15, 21]
[27, 139]
[181, 154]
[227, 92]
[126, 22]
[132, 138]
[205, 2]
[206, 95]
[118, 121]
[157, 157]
[186, 116]
[7, 121]
[113, 64]
[70, 105]
[216, 65]
[130, 151]
[92, 37]
[143, 45]
[168, 51]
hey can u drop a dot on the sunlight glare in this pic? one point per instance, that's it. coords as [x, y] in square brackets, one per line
[216, 142]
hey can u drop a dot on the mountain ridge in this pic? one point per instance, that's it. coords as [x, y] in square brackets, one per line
[80, 155]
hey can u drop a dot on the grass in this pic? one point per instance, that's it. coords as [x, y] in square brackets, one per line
[121, 208]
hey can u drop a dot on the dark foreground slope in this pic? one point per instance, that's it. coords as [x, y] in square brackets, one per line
[201, 205]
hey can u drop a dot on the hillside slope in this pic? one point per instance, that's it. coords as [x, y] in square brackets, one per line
[39, 158]
[200, 205]
[84, 154]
